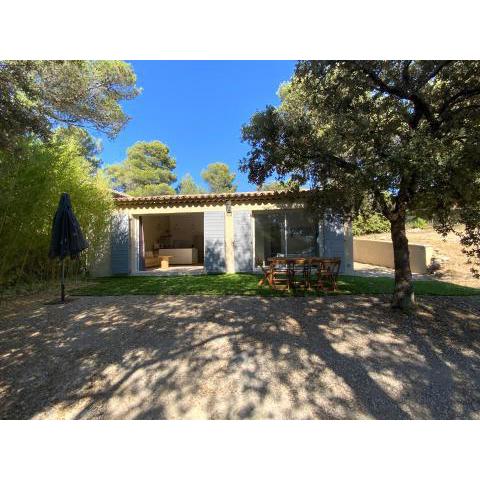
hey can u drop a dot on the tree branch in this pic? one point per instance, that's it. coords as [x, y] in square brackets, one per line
[383, 86]
[345, 165]
[421, 108]
[466, 93]
[405, 72]
[435, 71]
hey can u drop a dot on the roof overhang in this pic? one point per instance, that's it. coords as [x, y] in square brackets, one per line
[126, 201]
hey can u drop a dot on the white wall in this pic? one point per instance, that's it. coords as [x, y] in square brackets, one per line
[378, 252]
[184, 229]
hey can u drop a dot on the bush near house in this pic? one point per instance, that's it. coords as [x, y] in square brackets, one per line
[364, 225]
[32, 177]
[376, 223]
[418, 222]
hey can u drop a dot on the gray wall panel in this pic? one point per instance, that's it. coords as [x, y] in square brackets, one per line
[120, 238]
[214, 241]
[243, 242]
[334, 240]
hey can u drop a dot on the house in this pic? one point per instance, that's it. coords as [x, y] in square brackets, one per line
[225, 232]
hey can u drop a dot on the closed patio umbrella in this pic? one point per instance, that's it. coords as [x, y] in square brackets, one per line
[67, 237]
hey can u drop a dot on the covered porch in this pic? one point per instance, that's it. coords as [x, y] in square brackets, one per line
[170, 244]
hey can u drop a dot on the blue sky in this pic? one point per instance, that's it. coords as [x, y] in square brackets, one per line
[197, 108]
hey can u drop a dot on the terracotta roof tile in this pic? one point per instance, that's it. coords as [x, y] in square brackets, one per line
[204, 198]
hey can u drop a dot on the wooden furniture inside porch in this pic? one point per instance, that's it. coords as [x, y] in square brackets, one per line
[164, 261]
[151, 260]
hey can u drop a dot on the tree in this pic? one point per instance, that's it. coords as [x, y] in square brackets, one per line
[36, 96]
[89, 146]
[396, 135]
[147, 170]
[219, 178]
[271, 186]
[188, 186]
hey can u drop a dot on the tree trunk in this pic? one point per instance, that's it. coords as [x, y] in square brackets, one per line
[403, 296]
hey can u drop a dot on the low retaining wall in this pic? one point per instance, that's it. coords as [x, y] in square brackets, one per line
[380, 252]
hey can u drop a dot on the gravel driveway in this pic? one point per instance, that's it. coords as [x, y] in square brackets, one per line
[240, 357]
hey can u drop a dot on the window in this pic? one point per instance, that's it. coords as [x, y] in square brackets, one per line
[291, 232]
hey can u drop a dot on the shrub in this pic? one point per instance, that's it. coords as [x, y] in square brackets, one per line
[31, 181]
[366, 224]
[417, 222]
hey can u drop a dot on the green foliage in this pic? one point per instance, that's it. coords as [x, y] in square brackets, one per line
[418, 222]
[272, 186]
[35, 96]
[89, 146]
[219, 178]
[147, 170]
[188, 186]
[470, 237]
[31, 181]
[247, 284]
[366, 224]
[152, 190]
[358, 129]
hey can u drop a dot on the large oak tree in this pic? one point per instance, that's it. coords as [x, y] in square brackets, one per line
[396, 136]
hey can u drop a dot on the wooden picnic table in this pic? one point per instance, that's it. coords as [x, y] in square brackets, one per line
[301, 272]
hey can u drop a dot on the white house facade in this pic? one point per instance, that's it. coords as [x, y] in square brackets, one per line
[227, 232]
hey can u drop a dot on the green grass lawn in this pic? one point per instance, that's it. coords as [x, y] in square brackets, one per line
[246, 284]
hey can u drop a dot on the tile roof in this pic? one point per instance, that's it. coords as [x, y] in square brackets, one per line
[205, 198]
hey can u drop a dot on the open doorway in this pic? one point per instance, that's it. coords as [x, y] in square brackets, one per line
[178, 238]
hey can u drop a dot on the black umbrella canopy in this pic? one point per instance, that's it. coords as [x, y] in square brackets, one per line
[67, 237]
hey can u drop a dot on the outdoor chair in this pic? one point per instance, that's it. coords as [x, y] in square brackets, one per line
[327, 270]
[267, 274]
[280, 274]
[299, 272]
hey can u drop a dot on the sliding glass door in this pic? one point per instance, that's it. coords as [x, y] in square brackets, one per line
[285, 233]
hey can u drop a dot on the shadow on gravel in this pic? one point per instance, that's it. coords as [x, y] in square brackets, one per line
[240, 357]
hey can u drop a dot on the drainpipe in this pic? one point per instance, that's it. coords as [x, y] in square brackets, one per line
[229, 239]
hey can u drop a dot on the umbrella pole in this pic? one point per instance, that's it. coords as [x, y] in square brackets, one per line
[63, 282]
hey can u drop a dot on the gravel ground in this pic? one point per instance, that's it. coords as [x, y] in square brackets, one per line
[240, 357]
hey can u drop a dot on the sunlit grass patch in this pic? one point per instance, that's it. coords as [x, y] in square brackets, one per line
[246, 284]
